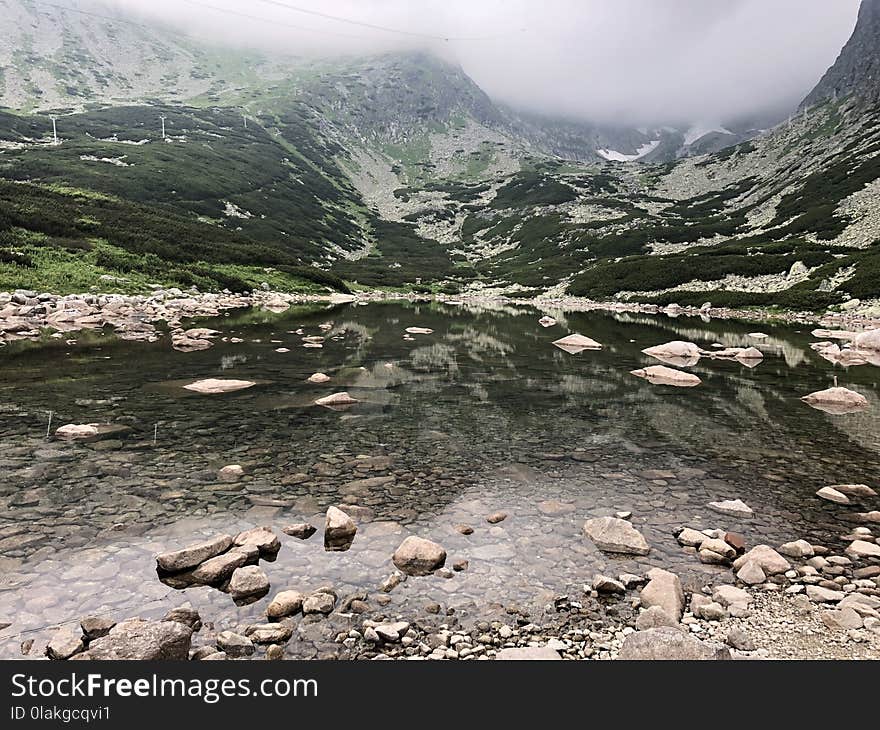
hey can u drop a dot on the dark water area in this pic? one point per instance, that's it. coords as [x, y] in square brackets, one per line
[482, 415]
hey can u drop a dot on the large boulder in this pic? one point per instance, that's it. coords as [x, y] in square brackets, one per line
[339, 530]
[666, 643]
[192, 555]
[614, 535]
[868, 340]
[664, 590]
[137, 639]
[213, 386]
[675, 353]
[662, 375]
[262, 538]
[766, 558]
[576, 343]
[418, 556]
[836, 400]
[217, 569]
[248, 584]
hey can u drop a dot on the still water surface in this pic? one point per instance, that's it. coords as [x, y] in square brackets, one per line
[483, 415]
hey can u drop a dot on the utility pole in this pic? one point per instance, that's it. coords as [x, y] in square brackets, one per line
[163, 118]
[54, 129]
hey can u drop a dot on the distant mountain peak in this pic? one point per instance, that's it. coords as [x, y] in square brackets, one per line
[857, 69]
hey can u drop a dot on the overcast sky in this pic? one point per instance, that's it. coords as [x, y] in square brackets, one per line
[626, 61]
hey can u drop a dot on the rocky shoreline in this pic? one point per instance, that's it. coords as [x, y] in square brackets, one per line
[25, 315]
[797, 601]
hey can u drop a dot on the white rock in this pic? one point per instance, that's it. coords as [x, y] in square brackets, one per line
[614, 535]
[212, 386]
[732, 508]
[662, 375]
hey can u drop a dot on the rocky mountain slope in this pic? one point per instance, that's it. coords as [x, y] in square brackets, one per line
[398, 170]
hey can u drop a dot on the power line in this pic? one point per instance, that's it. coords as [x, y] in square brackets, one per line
[238, 14]
[373, 26]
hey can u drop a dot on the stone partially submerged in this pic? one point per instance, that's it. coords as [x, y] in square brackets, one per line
[575, 343]
[418, 556]
[732, 508]
[613, 535]
[192, 555]
[319, 378]
[339, 530]
[546, 321]
[836, 400]
[336, 400]
[140, 640]
[662, 375]
[682, 354]
[213, 386]
[88, 432]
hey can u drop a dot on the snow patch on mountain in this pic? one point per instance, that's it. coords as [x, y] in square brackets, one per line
[615, 156]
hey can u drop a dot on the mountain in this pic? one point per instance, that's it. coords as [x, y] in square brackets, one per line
[857, 70]
[397, 170]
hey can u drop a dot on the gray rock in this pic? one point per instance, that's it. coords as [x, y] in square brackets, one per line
[418, 556]
[654, 618]
[300, 530]
[740, 640]
[64, 644]
[391, 632]
[247, 584]
[765, 557]
[339, 530]
[285, 603]
[830, 494]
[731, 596]
[604, 584]
[732, 508]
[262, 538]
[192, 555]
[234, 645]
[842, 619]
[94, 627]
[797, 549]
[319, 602]
[690, 538]
[138, 639]
[668, 644]
[751, 573]
[664, 590]
[614, 535]
[268, 633]
[185, 615]
[217, 569]
[711, 611]
[824, 595]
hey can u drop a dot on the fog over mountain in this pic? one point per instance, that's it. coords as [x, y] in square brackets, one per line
[627, 61]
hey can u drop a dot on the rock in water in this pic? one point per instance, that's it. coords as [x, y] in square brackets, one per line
[336, 399]
[286, 603]
[142, 640]
[319, 378]
[231, 473]
[419, 331]
[836, 400]
[662, 375]
[855, 490]
[262, 538]
[614, 535]
[664, 590]
[732, 508]
[418, 556]
[64, 644]
[339, 530]
[192, 555]
[830, 494]
[668, 643]
[868, 340]
[546, 321]
[235, 645]
[213, 386]
[89, 432]
[575, 343]
[675, 353]
[248, 584]
[300, 530]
